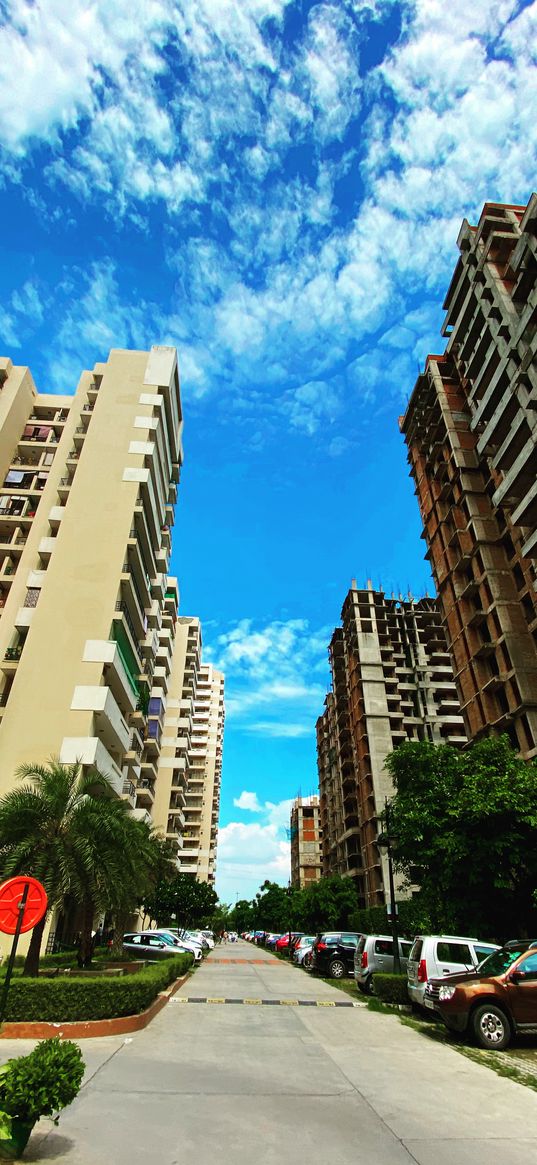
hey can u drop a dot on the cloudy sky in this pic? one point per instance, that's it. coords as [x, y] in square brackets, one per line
[276, 188]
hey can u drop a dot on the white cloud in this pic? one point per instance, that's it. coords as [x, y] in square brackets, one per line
[248, 801]
[248, 853]
[276, 675]
[197, 104]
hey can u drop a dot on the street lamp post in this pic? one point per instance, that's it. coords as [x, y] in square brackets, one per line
[384, 841]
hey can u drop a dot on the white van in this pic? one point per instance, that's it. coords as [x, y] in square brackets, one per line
[435, 955]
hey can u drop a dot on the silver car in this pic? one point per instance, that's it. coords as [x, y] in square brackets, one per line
[375, 953]
[151, 945]
[303, 949]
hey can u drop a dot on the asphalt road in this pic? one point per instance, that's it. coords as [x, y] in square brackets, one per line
[238, 1083]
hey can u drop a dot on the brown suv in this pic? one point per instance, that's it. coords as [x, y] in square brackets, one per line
[495, 1001]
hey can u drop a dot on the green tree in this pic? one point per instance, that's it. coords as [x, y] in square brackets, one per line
[64, 828]
[465, 830]
[182, 897]
[241, 916]
[271, 908]
[328, 904]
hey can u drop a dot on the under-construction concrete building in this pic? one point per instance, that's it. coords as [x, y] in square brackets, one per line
[471, 432]
[392, 681]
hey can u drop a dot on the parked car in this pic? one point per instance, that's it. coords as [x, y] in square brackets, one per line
[435, 955]
[333, 953]
[194, 936]
[496, 1001]
[282, 944]
[270, 941]
[209, 937]
[302, 947]
[375, 953]
[153, 945]
[187, 944]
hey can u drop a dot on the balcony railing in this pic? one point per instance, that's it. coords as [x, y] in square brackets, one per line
[121, 606]
[13, 653]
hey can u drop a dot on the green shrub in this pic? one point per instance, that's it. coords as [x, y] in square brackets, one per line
[42, 1083]
[77, 997]
[390, 988]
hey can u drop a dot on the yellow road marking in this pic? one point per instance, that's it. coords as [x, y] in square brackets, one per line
[215, 1001]
[251, 1001]
[325, 1003]
[289, 1002]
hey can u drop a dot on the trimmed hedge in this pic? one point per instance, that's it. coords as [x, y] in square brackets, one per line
[391, 988]
[74, 997]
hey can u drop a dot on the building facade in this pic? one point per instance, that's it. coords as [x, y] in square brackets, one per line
[392, 681]
[95, 661]
[305, 832]
[89, 484]
[471, 432]
[190, 765]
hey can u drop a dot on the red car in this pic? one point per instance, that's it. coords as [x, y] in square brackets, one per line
[282, 944]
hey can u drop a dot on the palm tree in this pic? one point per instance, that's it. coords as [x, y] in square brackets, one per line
[65, 828]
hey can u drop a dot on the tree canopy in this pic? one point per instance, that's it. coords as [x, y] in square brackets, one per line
[183, 898]
[464, 826]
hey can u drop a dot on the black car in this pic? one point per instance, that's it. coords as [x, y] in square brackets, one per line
[333, 953]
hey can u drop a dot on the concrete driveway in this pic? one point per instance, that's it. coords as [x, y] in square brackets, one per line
[266, 1081]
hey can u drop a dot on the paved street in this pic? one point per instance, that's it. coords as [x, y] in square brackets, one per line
[216, 1082]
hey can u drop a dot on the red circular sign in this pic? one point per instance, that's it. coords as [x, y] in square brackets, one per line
[11, 893]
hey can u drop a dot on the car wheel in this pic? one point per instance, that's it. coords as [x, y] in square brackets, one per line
[337, 969]
[307, 961]
[491, 1027]
[367, 986]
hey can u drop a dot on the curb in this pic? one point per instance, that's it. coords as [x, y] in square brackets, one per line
[86, 1029]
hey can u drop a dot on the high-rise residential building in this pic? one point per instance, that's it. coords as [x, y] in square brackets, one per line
[190, 767]
[91, 644]
[471, 432]
[205, 771]
[306, 863]
[89, 484]
[392, 681]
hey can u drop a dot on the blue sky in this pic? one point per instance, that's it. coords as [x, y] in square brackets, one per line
[277, 189]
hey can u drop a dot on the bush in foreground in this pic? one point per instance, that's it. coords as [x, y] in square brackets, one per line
[75, 997]
[391, 988]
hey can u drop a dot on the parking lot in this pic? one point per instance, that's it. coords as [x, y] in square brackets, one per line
[285, 1069]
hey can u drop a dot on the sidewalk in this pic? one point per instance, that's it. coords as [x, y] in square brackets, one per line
[242, 1083]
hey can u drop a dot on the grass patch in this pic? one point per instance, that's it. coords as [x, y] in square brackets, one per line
[347, 985]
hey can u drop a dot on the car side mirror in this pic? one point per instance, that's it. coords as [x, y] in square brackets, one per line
[517, 976]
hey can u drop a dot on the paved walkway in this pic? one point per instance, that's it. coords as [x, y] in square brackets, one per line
[217, 1083]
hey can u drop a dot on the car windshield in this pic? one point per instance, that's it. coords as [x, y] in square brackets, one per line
[499, 962]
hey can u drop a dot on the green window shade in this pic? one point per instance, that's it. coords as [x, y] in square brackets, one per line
[127, 656]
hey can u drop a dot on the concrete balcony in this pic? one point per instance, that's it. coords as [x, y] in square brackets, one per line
[90, 751]
[55, 516]
[154, 615]
[46, 548]
[111, 725]
[121, 682]
[129, 792]
[142, 815]
[145, 793]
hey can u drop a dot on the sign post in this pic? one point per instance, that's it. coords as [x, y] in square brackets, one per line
[23, 903]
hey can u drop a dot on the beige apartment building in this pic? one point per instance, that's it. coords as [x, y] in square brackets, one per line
[306, 835]
[87, 612]
[471, 432]
[190, 766]
[392, 680]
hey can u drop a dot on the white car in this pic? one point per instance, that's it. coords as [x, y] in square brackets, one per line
[209, 937]
[434, 955]
[184, 944]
